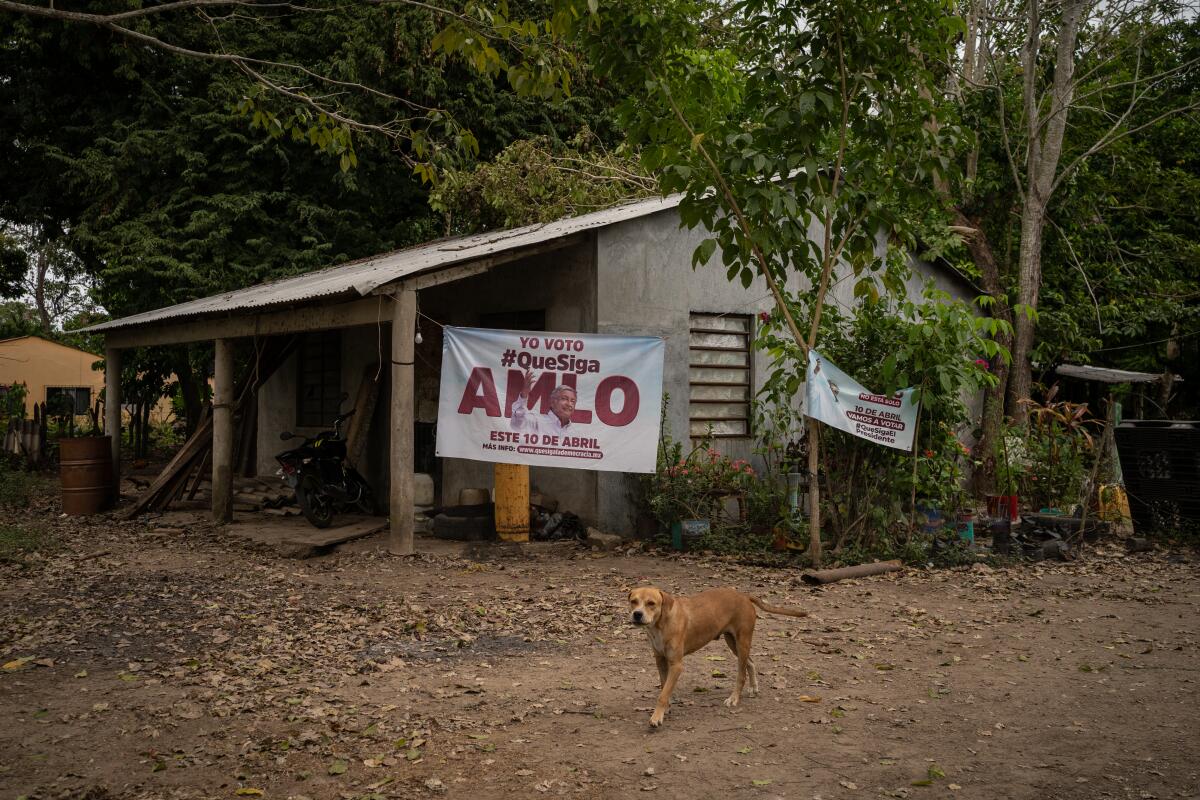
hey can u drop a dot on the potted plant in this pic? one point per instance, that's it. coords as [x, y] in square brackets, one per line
[687, 494]
[1010, 467]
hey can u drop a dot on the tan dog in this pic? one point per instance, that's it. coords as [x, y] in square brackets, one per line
[678, 626]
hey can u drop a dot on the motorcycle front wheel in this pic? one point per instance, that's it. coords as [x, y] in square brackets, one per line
[315, 506]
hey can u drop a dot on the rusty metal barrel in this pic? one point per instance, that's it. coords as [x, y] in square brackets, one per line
[85, 469]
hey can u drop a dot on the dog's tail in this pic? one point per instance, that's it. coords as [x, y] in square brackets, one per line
[787, 612]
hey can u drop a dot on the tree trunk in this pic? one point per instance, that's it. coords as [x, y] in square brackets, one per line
[135, 429]
[993, 400]
[1029, 282]
[1043, 150]
[39, 286]
[147, 407]
[814, 493]
[189, 387]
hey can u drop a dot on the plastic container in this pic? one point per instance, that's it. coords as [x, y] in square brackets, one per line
[1160, 461]
[966, 528]
[686, 533]
[1002, 506]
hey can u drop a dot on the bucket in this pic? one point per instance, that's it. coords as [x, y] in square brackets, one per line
[473, 497]
[966, 528]
[85, 469]
[932, 519]
[1002, 506]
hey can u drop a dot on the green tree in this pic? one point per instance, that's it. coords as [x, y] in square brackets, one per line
[799, 133]
[1050, 90]
[540, 180]
[168, 176]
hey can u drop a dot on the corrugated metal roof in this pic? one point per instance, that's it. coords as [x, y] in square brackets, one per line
[360, 278]
[1107, 375]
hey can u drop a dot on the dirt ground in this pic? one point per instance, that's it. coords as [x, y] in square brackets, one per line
[161, 659]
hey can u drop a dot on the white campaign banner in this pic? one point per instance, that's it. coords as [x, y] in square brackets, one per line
[586, 401]
[836, 399]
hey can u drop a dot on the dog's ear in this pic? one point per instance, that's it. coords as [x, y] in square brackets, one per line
[666, 601]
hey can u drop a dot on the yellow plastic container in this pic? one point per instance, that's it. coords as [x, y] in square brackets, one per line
[1114, 503]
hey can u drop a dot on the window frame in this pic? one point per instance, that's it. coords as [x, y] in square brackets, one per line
[748, 369]
[330, 348]
[75, 390]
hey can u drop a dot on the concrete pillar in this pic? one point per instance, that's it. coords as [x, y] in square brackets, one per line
[112, 412]
[222, 446]
[400, 506]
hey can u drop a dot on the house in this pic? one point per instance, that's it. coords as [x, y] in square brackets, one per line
[623, 270]
[53, 373]
[58, 375]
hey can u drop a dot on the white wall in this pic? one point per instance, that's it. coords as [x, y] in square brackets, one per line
[360, 346]
[646, 286]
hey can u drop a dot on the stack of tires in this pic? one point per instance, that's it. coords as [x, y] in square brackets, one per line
[473, 523]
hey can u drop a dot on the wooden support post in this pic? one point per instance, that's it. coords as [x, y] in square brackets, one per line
[112, 412]
[512, 502]
[814, 494]
[222, 447]
[400, 506]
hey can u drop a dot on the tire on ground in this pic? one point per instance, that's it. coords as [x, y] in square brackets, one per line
[464, 529]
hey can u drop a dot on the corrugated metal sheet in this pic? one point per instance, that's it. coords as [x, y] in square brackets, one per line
[360, 278]
[1107, 375]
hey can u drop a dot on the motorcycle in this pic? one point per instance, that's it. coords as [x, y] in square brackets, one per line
[319, 475]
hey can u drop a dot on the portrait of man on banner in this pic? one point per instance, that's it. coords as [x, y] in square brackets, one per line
[563, 399]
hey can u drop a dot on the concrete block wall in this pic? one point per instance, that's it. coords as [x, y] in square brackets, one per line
[360, 346]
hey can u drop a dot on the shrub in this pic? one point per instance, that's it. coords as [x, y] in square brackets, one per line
[941, 348]
[18, 541]
[1059, 452]
[697, 484]
[16, 485]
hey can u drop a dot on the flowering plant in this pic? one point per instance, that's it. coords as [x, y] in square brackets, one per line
[694, 486]
[941, 469]
[712, 471]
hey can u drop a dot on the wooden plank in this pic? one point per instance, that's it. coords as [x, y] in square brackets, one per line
[199, 442]
[177, 485]
[222, 430]
[364, 410]
[204, 464]
[247, 429]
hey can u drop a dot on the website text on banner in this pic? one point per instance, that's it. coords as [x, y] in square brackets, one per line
[836, 399]
[585, 401]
